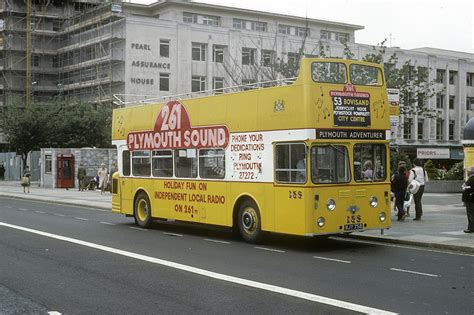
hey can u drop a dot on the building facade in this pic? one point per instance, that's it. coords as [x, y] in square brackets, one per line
[124, 52]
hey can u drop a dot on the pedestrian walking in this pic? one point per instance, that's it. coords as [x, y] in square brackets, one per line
[25, 180]
[468, 199]
[399, 188]
[81, 175]
[2, 171]
[419, 174]
[103, 177]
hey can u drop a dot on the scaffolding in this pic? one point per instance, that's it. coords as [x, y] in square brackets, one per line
[54, 48]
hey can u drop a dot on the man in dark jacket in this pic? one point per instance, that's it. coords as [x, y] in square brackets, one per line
[468, 199]
[399, 188]
[81, 175]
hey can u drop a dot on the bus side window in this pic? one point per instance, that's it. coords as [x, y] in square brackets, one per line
[185, 163]
[126, 163]
[290, 163]
[141, 164]
[212, 163]
[162, 162]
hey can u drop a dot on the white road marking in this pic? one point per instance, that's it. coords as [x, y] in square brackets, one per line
[415, 272]
[23, 209]
[206, 273]
[54, 313]
[333, 259]
[403, 246]
[59, 214]
[216, 241]
[107, 223]
[172, 234]
[270, 249]
[138, 229]
[83, 219]
[40, 212]
[8, 207]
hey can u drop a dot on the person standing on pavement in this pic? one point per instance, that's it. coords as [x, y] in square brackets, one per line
[419, 174]
[81, 175]
[399, 188]
[468, 199]
[25, 180]
[103, 177]
[2, 171]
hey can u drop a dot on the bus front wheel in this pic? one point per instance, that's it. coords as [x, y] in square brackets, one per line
[142, 211]
[249, 222]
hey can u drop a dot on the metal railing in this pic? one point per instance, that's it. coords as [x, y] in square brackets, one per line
[140, 99]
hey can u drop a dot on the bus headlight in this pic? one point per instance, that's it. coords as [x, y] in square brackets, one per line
[373, 201]
[321, 222]
[382, 216]
[331, 204]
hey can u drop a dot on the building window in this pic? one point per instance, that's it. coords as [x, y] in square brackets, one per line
[469, 103]
[198, 84]
[48, 164]
[325, 35]
[440, 75]
[198, 52]
[218, 53]
[210, 20]
[56, 26]
[421, 99]
[439, 129]
[285, 29]
[239, 24]
[268, 57]
[190, 17]
[249, 25]
[218, 85]
[55, 62]
[341, 37]
[453, 75]
[439, 101]
[164, 81]
[248, 56]
[302, 31]
[35, 60]
[451, 130]
[292, 58]
[407, 128]
[452, 99]
[164, 48]
[421, 123]
[260, 26]
[469, 79]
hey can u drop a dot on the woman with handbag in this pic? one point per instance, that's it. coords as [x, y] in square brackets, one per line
[399, 188]
[25, 180]
[468, 199]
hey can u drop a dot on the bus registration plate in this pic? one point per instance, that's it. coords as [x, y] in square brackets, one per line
[353, 227]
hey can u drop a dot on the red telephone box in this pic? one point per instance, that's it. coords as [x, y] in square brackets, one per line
[65, 174]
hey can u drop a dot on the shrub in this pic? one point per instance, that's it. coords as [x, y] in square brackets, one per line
[456, 172]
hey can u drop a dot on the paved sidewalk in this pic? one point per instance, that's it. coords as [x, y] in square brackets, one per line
[441, 226]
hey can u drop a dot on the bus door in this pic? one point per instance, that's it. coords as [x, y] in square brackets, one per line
[291, 175]
[126, 184]
[65, 171]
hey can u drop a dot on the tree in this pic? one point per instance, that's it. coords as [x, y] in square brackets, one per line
[412, 81]
[58, 124]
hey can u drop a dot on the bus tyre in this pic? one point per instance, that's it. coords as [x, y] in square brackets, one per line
[142, 210]
[249, 223]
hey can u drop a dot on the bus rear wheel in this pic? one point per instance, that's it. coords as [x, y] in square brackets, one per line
[250, 227]
[142, 211]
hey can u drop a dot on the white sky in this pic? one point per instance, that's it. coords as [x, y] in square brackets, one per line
[445, 24]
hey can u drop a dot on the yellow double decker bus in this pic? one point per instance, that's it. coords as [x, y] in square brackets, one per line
[308, 158]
